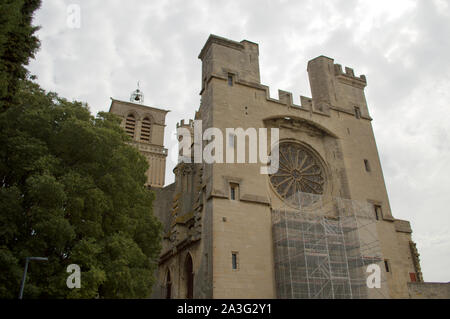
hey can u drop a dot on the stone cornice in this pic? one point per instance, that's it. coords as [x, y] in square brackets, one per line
[255, 199]
[141, 106]
[402, 226]
[150, 148]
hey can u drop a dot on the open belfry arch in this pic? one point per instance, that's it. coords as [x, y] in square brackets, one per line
[308, 231]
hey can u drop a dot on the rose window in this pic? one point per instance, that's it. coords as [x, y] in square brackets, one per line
[300, 171]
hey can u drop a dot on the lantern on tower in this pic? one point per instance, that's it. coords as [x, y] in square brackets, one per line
[137, 96]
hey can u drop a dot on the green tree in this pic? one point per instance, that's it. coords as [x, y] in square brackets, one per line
[72, 190]
[17, 44]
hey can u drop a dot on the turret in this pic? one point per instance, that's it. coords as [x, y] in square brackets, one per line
[230, 60]
[330, 86]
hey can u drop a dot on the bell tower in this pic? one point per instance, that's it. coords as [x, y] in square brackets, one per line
[145, 126]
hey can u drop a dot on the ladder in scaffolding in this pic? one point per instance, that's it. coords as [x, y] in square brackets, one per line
[326, 228]
[306, 264]
[289, 257]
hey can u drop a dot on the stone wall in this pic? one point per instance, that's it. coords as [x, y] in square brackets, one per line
[429, 290]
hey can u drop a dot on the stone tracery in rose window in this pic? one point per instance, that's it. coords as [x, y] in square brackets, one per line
[300, 171]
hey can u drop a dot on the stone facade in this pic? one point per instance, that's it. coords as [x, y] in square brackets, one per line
[218, 239]
[145, 125]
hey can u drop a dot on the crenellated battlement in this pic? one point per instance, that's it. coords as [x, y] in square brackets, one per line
[331, 86]
[187, 125]
[349, 74]
[325, 99]
[285, 97]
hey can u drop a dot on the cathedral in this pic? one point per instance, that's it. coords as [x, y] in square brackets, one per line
[319, 227]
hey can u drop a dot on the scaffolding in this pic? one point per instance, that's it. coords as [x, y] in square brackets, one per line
[322, 250]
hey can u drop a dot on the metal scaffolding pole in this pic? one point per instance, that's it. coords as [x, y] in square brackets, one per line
[324, 246]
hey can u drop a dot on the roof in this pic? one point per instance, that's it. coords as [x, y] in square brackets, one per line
[142, 106]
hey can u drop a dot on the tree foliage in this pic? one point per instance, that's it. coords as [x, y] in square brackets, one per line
[17, 44]
[72, 190]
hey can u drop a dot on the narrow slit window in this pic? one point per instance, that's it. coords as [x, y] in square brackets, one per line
[357, 112]
[234, 191]
[378, 212]
[386, 265]
[367, 165]
[234, 260]
[230, 79]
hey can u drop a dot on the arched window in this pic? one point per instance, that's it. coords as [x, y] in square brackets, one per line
[189, 275]
[168, 285]
[130, 125]
[146, 130]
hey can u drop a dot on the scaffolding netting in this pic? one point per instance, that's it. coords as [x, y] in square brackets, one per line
[322, 249]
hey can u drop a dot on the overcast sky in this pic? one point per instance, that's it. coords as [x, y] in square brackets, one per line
[402, 46]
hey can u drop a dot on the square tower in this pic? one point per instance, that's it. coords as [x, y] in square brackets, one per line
[145, 126]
